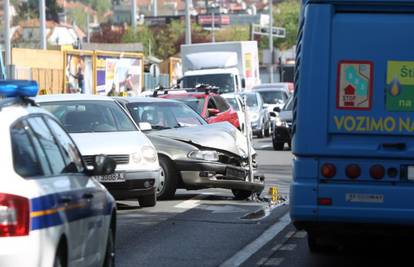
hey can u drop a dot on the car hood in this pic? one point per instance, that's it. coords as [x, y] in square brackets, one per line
[114, 143]
[218, 136]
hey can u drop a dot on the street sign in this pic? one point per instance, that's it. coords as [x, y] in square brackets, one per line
[277, 32]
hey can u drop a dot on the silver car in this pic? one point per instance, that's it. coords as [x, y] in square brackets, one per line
[259, 117]
[99, 125]
[192, 153]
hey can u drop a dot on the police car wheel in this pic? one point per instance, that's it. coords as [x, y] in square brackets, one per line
[241, 194]
[59, 258]
[148, 201]
[110, 250]
[278, 145]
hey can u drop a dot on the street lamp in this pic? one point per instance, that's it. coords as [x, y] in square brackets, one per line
[213, 36]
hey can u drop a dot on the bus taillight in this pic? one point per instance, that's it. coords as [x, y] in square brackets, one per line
[377, 172]
[353, 171]
[328, 170]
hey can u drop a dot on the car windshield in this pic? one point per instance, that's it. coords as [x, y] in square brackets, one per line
[225, 81]
[233, 103]
[251, 100]
[197, 104]
[272, 97]
[90, 116]
[165, 115]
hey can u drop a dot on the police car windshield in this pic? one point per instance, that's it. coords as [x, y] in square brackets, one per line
[90, 116]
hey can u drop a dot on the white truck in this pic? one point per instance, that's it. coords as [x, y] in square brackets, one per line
[230, 66]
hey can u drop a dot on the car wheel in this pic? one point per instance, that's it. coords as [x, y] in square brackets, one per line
[262, 132]
[267, 130]
[59, 260]
[168, 179]
[148, 201]
[278, 145]
[290, 144]
[241, 194]
[110, 250]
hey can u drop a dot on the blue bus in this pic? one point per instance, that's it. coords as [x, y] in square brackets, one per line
[353, 119]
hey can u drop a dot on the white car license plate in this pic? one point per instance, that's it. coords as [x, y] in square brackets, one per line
[410, 173]
[364, 198]
[111, 178]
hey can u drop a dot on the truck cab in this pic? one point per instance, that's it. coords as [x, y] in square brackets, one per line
[227, 80]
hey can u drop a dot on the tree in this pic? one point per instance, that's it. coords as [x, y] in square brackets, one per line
[233, 33]
[30, 9]
[108, 34]
[286, 15]
[79, 16]
[142, 35]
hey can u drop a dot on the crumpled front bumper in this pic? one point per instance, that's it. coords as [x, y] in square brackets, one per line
[199, 174]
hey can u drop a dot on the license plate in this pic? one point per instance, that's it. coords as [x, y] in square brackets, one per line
[410, 173]
[111, 178]
[231, 172]
[365, 198]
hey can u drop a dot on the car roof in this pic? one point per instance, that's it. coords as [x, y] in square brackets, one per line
[142, 99]
[71, 97]
[188, 95]
[12, 109]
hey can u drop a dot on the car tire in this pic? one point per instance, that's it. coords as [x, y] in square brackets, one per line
[170, 179]
[148, 201]
[267, 130]
[241, 194]
[110, 250]
[278, 145]
[59, 260]
[261, 133]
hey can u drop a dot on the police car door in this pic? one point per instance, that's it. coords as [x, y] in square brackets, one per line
[92, 195]
[64, 190]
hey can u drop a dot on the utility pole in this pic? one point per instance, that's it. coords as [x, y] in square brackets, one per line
[154, 8]
[134, 14]
[187, 22]
[213, 36]
[88, 30]
[6, 6]
[271, 40]
[42, 10]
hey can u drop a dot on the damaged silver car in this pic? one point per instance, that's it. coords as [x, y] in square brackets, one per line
[192, 153]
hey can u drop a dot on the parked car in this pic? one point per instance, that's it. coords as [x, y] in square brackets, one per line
[52, 211]
[282, 132]
[235, 101]
[192, 153]
[284, 86]
[259, 116]
[101, 126]
[211, 106]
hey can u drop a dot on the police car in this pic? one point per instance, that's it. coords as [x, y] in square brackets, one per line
[52, 212]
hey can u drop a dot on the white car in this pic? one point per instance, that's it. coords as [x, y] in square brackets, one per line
[52, 211]
[99, 125]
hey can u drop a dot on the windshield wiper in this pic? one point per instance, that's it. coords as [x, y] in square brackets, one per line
[160, 127]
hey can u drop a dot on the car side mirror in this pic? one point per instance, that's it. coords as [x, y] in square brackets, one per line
[272, 114]
[103, 165]
[213, 111]
[145, 126]
[276, 109]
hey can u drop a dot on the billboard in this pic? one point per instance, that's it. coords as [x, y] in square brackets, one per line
[78, 72]
[115, 74]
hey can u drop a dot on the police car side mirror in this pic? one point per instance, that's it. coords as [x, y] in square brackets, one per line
[272, 114]
[276, 109]
[103, 165]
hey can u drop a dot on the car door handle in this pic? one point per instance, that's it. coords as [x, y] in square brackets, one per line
[65, 200]
[87, 196]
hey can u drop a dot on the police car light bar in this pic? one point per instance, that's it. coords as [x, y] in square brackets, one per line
[16, 88]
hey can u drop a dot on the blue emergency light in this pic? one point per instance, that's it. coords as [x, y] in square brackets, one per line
[15, 88]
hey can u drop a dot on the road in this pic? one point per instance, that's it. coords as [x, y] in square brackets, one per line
[209, 228]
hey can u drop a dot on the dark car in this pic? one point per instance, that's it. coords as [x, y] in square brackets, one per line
[192, 153]
[282, 132]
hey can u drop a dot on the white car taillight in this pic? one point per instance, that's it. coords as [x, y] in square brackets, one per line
[14, 215]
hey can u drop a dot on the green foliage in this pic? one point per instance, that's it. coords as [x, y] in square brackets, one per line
[233, 33]
[30, 9]
[79, 16]
[142, 35]
[286, 15]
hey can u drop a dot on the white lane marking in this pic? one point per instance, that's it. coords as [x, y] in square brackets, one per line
[275, 248]
[191, 203]
[288, 247]
[300, 234]
[222, 209]
[290, 234]
[257, 244]
[273, 262]
[265, 146]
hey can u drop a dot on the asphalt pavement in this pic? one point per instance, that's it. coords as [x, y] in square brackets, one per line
[203, 227]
